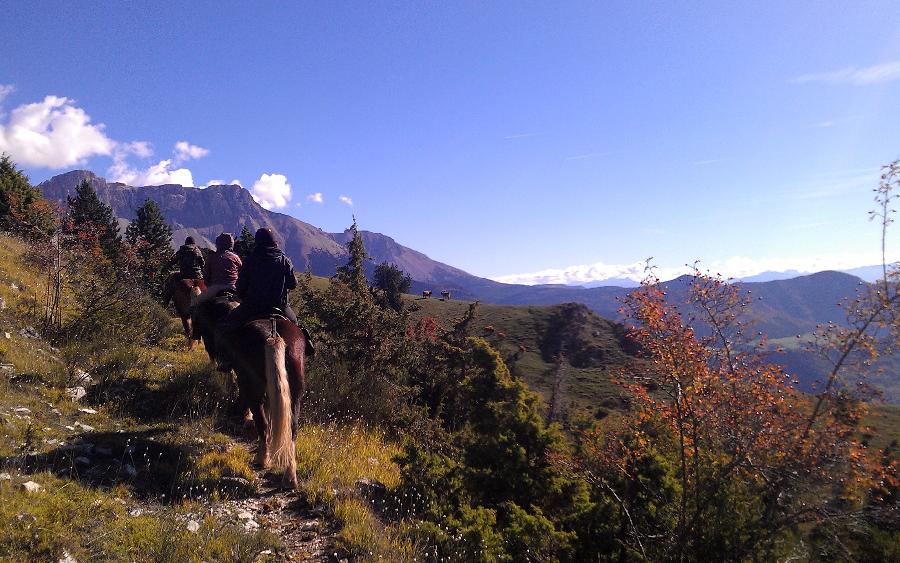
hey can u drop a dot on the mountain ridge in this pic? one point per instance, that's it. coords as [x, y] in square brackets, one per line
[784, 307]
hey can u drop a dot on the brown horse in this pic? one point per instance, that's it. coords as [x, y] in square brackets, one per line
[268, 358]
[182, 292]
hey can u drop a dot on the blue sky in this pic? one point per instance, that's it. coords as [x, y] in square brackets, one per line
[502, 138]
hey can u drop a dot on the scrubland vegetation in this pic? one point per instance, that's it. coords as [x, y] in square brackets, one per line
[421, 438]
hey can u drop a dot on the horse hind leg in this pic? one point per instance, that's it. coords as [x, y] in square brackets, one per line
[258, 417]
[188, 332]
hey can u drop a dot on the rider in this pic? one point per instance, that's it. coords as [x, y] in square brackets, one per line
[190, 266]
[221, 271]
[262, 286]
[189, 260]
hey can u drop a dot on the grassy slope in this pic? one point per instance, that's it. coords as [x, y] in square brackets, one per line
[162, 415]
[583, 387]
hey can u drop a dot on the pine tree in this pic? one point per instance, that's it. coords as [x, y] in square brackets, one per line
[353, 273]
[392, 283]
[22, 208]
[88, 214]
[245, 243]
[151, 238]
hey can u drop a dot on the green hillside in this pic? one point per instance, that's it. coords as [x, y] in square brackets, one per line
[531, 337]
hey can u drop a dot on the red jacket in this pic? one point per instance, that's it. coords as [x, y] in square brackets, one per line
[222, 268]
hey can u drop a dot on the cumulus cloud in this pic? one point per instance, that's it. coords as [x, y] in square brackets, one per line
[315, 198]
[875, 74]
[736, 267]
[346, 200]
[186, 151]
[52, 133]
[165, 171]
[272, 191]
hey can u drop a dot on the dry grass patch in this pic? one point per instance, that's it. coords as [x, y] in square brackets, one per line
[342, 467]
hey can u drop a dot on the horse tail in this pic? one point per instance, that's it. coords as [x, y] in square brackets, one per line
[281, 441]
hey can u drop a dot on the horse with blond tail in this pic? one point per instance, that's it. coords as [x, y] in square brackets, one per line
[269, 364]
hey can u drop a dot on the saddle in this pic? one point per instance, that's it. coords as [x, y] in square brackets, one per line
[275, 314]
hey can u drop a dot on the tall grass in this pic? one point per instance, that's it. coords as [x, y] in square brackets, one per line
[332, 459]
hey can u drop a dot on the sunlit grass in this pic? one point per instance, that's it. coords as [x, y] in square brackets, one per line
[331, 460]
[66, 517]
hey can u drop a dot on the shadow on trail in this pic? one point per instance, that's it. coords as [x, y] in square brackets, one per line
[144, 461]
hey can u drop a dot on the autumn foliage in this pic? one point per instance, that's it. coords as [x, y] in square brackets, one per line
[730, 455]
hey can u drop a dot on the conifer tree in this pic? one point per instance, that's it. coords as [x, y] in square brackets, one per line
[87, 213]
[392, 283]
[151, 238]
[245, 243]
[22, 208]
[353, 273]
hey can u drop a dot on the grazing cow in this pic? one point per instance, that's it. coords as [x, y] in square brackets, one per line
[489, 329]
[445, 295]
[426, 293]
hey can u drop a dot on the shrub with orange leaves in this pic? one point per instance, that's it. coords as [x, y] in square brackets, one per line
[724, 456]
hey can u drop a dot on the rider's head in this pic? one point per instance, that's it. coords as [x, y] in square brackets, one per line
[265, 237]
[224, 242]
[189, 240]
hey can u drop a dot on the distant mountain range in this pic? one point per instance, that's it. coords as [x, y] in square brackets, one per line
[783, 307]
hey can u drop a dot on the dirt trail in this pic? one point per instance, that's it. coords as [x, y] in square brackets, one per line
[304, 531]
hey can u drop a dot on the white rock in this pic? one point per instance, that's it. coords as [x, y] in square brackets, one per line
[66, 557]
[193, 526]
[22, 410]
[76, 393]
[82, 377]
[7, 335]
[87, 411]
[31, 487]
[135, 512]
[244, 515]
[5, 476]
[85, 427]
[251, 525]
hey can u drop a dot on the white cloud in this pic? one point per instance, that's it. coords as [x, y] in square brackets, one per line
[186, 151]
[212, 183]
[315, 198]
[6, 90]
[735, 267]
[52, 133]
[272, 191]
[346, 200]
[156, 175]
[875, 74]
[163, 172]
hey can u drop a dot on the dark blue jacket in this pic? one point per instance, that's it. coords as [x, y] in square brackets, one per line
[265, 279]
